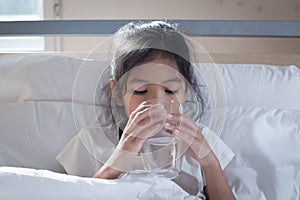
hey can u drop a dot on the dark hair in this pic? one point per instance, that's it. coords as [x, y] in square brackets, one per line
[138, 43]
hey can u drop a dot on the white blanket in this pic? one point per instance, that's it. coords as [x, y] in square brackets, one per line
[24, 183]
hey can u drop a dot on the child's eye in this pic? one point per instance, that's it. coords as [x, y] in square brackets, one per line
[139, 92]
[171, 91]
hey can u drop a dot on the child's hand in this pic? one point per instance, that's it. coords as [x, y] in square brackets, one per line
[144, 122]
[190, 138]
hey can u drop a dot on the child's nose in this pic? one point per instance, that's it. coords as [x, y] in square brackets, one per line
[158, 94]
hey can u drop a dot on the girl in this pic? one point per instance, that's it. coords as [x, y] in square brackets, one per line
[150, 61]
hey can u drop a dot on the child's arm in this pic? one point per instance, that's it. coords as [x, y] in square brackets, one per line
[106, 172]
[190, 135]
[216, 183]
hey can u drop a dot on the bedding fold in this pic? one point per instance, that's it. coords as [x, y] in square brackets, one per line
[41, 184]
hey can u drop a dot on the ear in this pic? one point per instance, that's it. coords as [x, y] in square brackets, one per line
[116, 98]
[111, 84]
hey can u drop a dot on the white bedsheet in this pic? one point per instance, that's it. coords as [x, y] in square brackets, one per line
[25, 183]
[266, 144]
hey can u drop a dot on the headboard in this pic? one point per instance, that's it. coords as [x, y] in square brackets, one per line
[249, 28]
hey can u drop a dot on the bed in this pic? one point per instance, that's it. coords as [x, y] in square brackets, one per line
[262, 125]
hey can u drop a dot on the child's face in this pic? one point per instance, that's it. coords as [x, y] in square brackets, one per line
[158, 79]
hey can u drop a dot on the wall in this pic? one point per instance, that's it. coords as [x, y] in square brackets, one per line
[190, 9]
[182, 9]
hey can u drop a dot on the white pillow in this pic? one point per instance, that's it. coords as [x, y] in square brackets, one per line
[261, 86]
[266, 143]
[36, 108]
[262, 128]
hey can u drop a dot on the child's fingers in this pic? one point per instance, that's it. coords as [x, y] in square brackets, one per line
[145, 116]
[196, 143]
[134, 140]
[182, 121]
[141, 107]
[144, 132]
[189, 133]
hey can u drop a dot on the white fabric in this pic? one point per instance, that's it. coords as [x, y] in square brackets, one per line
[262, 128]
[36, 108]
[262, 105]
[21, 183]
[261, 86]
[266, 143]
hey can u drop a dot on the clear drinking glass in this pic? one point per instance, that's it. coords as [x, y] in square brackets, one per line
[161, 154]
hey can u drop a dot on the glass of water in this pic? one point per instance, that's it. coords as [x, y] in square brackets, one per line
[161, 155]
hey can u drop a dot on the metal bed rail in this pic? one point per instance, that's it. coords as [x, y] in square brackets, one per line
[219, 28]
